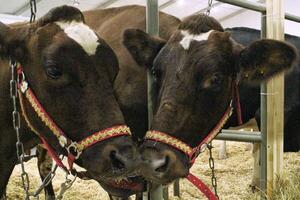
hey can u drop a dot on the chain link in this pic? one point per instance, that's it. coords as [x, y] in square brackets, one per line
[212, 167]
[209, 3]
[33, 10]
[17, 126]
[65, 186]
[47, 180]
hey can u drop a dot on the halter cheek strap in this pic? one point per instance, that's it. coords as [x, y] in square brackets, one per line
[74, 149]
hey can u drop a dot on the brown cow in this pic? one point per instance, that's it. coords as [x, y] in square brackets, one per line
[70, 70]
[192, 70]
[196, 71]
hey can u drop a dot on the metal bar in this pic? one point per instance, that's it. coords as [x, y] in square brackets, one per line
[152, 27]
[257, 7]
[240, 136]
[205, 9]
[166, 4]
[176, 188]
[263, 105]
[24, 8]
[166, 193]
[245, 4]
[106, 4]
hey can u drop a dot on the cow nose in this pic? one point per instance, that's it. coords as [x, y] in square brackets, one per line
[122, 156]
[117, 160]
[161, 164]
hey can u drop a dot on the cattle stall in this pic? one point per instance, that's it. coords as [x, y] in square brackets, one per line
[270, 159]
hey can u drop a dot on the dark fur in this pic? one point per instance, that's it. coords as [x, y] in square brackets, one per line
[250, 106]
[130, 84]
[78, 95]
[195, 85]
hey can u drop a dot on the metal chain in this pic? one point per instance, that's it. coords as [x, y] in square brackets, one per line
[17, 126]
[209, 3]
[65, 186]
[212, 167]
[19, 145]
[33, 10]
[47, 180]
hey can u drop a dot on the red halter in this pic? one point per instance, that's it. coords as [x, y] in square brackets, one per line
[193, 153]
[74, 149]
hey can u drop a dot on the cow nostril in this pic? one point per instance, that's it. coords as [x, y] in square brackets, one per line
[116, 160]
[164, 165]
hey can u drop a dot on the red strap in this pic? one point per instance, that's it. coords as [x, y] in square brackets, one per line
[53, 154]
[201, 186]
[238, 105]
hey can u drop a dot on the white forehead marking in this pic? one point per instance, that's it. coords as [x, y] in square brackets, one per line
[82, 34]
[187, 38]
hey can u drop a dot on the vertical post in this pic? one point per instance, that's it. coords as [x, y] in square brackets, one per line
[263, 106]
[152, 27]
[275, 100]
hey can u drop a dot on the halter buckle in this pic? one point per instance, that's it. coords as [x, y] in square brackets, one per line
[72, 149]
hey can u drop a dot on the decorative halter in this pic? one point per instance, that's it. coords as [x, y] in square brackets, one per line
[74, 149]
[193, 153]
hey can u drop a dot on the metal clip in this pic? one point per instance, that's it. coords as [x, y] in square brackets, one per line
[72, 149]
[24, 86]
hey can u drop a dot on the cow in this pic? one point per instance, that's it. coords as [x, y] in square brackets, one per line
[250, 99]
[136, 52]
[245, 36]
[196, 71]
[65, 76]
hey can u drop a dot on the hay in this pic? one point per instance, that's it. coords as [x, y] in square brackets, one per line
[233, 174]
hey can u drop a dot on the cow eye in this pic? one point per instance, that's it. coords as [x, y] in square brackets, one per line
[216, 79]
[213, 81]
[53, 72]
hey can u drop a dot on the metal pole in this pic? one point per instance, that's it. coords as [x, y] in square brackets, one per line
[256, 7]
[263, 122]
[152, 27]
[240, 136]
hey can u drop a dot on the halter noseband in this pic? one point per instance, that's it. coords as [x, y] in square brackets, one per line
[74, 149]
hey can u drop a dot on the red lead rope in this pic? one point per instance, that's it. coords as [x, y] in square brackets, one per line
[201, 186]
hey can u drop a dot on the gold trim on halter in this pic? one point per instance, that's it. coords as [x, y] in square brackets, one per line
[103, 134]
[41, 114]
[162, 137]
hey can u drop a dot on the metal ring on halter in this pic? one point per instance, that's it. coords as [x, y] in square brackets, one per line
[72, 149]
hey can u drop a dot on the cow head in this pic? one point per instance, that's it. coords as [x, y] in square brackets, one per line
[194, 72]
[70, 69]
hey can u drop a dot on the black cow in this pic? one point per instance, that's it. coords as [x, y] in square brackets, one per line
[250, 94]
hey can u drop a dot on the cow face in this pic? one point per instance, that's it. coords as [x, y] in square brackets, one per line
[194, 72]
[70, 69]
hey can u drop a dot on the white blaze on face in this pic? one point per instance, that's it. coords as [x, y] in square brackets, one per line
[82, 34]
[187, 38]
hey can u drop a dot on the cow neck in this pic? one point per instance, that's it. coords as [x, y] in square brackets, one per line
[73, 149]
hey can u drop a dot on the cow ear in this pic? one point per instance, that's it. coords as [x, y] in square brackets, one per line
[12, 42]
[266, 58]
[4, 32]
[62, 13]
[142, 46]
